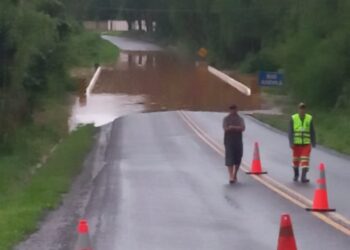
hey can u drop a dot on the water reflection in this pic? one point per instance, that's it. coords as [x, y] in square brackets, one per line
[157, 81]
[172, 83]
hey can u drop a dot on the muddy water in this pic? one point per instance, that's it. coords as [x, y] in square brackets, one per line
[100, 109]
[158, 81]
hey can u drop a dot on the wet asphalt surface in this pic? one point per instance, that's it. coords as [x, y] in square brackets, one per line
[153, 184]
[276, 158]
[162, 188]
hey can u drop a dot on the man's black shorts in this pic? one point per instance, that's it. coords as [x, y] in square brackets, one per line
[233, 154]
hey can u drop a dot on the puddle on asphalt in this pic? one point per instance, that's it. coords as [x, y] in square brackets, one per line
[157, 82]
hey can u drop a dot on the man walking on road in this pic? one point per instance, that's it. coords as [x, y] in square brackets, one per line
[233, 126]
[301, 138]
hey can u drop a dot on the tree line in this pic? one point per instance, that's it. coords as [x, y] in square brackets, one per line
[35, 57]
[307, 39]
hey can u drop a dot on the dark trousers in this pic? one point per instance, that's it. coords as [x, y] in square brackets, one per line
[233, 153]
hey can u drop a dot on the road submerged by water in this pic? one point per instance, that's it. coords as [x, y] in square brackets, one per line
[147, 79]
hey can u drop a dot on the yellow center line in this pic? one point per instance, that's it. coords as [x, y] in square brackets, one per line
[336, 220]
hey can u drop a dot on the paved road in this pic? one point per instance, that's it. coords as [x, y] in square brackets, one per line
[153, 184]
[163, 188]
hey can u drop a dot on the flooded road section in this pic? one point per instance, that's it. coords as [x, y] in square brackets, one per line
[157, 81]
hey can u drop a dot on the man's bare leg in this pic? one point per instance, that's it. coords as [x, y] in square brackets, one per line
[235, 171]
[231, 173]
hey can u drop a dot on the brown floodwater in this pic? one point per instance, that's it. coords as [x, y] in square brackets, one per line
[157, 81]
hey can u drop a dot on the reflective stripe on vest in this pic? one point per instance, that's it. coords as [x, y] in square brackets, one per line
[301, 129]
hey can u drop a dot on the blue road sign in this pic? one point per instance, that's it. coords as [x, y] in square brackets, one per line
[270, 78]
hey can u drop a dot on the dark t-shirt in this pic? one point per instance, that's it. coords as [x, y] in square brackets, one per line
[233, 137]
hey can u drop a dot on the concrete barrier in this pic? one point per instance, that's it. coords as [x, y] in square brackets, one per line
[93, 81]
[234, 83]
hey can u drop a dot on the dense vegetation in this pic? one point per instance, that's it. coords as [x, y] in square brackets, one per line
[309, 39]
[40, 40]
[32, 37]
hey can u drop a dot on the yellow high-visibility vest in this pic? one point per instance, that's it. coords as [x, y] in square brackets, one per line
[302, 129]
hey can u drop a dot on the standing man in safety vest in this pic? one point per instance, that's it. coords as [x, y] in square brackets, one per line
[301, 138]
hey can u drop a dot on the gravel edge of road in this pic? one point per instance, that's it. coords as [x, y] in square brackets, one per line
[57, 230]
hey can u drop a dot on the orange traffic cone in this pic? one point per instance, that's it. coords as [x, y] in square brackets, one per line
[83, 242]
[286, 240]
[256, 163]
[320, 197]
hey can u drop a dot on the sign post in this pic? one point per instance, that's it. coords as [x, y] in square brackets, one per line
[267, 79]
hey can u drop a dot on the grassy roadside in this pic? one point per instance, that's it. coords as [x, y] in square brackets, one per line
[277, 121]
[27, 196]
[89, 48]
[26, 192]
[332, 127]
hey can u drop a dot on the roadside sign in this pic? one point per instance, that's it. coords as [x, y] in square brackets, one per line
[270, 78]
[202, 52]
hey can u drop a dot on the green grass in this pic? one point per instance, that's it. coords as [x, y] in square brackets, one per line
[25, 196]
[332, 128]
[112, 33]
[88, 48]
[277, 121]
[108, 53]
